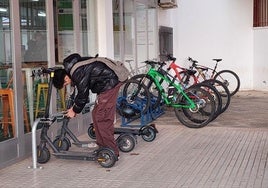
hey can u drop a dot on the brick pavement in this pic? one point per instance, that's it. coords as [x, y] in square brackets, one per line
[230, 152]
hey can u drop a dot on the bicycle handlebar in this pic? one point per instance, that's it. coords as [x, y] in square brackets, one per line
[194, 62]
[194, 65]
[153, 63]
[171, 58]
[59, 115]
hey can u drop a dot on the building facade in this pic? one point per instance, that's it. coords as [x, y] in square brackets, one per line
[40, 33]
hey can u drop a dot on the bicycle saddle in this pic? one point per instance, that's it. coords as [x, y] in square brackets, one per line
[217, 60]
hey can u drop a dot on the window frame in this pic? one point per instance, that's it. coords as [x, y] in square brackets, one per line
[260, 13]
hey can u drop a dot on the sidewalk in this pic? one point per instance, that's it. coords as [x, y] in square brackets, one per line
[230, 152]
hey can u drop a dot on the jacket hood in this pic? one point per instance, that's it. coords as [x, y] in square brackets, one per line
[69, 61]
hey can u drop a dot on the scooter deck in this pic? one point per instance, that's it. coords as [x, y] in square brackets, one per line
[87, 156]
[83, 144]
[121, 130]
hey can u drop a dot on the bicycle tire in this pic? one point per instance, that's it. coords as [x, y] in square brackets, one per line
[224, 93]
[195, 118]
[216, 96]
[138, 95]
[155, 93]
[230, 79]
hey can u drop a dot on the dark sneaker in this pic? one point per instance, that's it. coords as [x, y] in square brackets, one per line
[117, 158]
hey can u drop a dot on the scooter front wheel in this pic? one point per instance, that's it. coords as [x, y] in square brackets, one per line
[43, 155]
[62, 144]
[106, 157]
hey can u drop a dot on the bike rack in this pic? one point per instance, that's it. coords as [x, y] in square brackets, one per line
[145, 118]
[34, 152]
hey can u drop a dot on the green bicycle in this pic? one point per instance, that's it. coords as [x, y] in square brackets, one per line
[194, 107]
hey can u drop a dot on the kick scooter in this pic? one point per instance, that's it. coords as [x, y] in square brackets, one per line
[148, 132]
[125, 141]
[104, 156]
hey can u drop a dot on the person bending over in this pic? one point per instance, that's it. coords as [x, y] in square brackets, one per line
[89, 73]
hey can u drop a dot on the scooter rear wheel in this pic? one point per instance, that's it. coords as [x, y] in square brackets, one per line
[148, 133]
[91, 132]
[106, 157]
[126, 142]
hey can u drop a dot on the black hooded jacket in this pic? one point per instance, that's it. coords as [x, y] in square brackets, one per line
[96, 76]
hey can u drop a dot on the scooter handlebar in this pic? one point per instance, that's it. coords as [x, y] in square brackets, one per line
[59, 115]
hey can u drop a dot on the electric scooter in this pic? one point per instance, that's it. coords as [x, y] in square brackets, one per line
[104, 156]
[126, 140]
[148, 132]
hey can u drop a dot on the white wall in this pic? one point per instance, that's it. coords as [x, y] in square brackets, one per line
[211, 29]
[260, 68]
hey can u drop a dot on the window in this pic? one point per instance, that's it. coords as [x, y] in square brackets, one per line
[33, 31]
[165, 42]
[135, 31]
[260, 13]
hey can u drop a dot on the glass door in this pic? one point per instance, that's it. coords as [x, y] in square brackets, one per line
[7, 126]
[135, 32]
[65, 29]
[34, 56]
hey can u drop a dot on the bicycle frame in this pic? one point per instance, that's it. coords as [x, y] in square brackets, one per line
[158, 78]
[178, 69]
[199, 68]
[194, 107]
[135, 70]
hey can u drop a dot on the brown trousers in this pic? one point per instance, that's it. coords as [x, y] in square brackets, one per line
[103, 116]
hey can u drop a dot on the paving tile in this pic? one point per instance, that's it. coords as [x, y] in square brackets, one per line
[232, 151]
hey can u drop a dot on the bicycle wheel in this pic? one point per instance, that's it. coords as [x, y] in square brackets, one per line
[223, 91]
[137, 97]
[155, 94]
[204, 109]
[216, 96]
[230, 79]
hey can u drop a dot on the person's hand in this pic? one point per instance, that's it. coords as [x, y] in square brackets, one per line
[70, 113]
